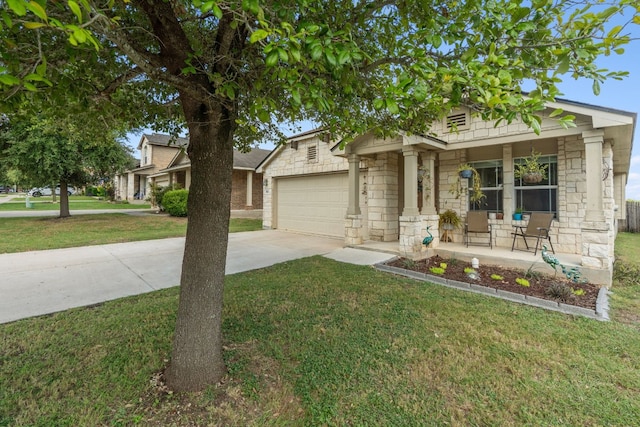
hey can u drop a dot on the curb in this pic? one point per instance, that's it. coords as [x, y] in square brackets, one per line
[601, 311]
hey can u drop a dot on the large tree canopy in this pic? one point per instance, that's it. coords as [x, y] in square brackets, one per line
[232, 70]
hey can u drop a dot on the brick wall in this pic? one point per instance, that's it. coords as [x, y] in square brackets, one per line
[239, 190]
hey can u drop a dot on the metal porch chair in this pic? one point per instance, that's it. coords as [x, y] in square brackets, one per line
[538, 228]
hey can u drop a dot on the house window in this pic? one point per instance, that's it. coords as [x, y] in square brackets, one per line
[491, 184]
[312, 153]
[541, 197]
[456, 121]
[145, 155]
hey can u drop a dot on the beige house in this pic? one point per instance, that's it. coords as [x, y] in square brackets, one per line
[164, 162]
[390, 190]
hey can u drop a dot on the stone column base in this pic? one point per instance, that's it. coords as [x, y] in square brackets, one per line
[597, 248]
[353, 230]
[412, 233]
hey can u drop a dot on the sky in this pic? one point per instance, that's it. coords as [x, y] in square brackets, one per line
[621, 95]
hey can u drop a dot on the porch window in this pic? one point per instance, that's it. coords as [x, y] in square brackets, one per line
[491, 183]
[541, 197]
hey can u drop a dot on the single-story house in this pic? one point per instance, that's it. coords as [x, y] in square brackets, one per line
[164, 162]
[390, 190]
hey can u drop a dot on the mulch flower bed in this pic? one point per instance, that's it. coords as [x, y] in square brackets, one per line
[543, 286]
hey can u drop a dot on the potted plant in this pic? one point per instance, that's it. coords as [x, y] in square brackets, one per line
[531, 171]
[467, 171]
[499, 215]
[448, 221]
[517, 215]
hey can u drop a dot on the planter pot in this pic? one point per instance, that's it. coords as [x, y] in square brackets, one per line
[492, 215]
[499, 215]
[532, 178]
[467, 173]
[517, 216]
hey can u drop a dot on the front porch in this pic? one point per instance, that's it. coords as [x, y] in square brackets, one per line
[499, 256]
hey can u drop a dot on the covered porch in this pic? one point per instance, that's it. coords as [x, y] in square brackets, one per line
[409, 180]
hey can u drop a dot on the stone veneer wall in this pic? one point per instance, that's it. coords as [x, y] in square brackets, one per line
[567, 230]
[383, 196]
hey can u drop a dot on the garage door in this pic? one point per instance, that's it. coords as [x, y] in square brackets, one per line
[313, 204]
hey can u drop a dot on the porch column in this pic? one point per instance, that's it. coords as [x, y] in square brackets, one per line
[410, 181]
[249, 189]
[130, 191]
[428, 187]
[354, 185]
[593, 141]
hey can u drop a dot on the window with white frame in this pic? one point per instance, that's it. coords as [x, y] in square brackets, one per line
[491, 184]
[540, 197]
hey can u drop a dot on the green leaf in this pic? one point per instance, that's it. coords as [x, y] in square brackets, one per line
[282, 54]
[252, 6]
[75, 9]
[272, 58]
[9, 80]
[563, 66]
[316, 52]
[217, 12]
[295, 94]
[258, 35]
[80, 35]
[596, 87]
[378, 103]
[37, 10]
[33, 25]
[264, 116]
[392, 106]
[331, 59]
[556, 112]
[18, 7]
[30, 86]
[295, 54]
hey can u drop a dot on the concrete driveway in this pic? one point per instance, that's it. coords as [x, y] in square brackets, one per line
[42, 282]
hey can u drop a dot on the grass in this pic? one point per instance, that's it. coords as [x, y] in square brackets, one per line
[75, 203]
[317, 342]
[38, 233]
[625, 301]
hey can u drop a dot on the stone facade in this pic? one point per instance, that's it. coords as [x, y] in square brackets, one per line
[586, 217]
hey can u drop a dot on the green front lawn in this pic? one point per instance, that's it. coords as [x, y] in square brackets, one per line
[317, 342]
[37, 233]
[81, 203]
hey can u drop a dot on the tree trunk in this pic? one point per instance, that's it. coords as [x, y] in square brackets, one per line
[64, 199]
[197, 346]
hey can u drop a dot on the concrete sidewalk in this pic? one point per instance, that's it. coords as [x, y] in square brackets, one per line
[42, 282]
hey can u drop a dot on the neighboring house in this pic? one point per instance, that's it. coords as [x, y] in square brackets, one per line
[165, 162]
[156, 153]
[390, 189]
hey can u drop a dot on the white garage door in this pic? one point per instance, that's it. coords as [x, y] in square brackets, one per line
[313, 204]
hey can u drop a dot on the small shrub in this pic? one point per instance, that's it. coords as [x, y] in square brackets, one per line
[443, 265]
[496, 277]
[437, 270]
[175, 202]
[531, 273]
[469, 270]
[577, 292]
[409, 263]
[559, 291]
[523, 282]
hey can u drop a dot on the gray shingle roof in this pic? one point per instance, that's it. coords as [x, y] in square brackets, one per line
[249, 160]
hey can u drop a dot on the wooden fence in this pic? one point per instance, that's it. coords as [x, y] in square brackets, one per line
[632, 224]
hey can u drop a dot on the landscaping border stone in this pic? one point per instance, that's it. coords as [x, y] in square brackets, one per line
[601, 311]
